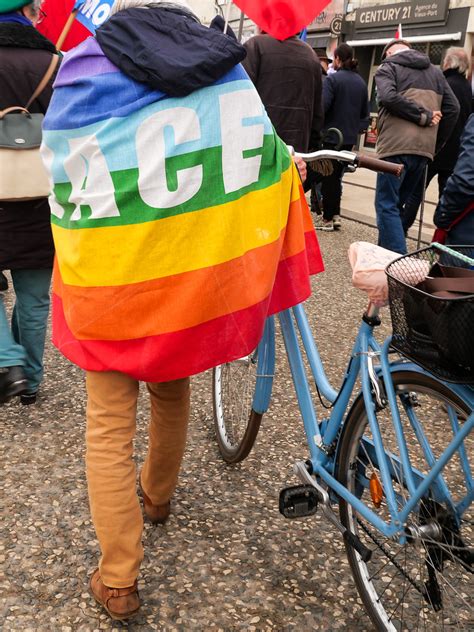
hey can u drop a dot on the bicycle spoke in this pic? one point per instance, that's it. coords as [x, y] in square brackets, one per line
[423, 583]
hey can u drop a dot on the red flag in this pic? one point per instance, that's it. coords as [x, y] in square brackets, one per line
[57, 12]
[282, 18]
[399, 34]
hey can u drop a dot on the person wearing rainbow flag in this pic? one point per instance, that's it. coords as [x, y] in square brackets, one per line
[180, 224]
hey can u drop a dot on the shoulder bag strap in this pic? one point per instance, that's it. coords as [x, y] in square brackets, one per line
[44, 81]
[460, 217]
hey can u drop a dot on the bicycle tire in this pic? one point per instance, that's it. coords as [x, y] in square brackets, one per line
[236, 423]
[391, 584]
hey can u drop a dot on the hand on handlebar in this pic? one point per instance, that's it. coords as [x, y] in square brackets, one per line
[301, 165]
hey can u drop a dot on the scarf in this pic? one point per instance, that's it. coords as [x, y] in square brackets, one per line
[179, 224]
[15, 17]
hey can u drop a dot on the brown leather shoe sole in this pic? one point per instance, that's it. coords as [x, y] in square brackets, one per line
[113, 593]
[156, 514]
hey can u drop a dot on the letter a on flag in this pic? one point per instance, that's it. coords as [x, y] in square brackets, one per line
[282, 18]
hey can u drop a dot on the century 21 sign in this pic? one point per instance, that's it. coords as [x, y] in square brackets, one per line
[402, 13]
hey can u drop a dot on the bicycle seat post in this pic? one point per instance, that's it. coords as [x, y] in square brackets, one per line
[371, 315]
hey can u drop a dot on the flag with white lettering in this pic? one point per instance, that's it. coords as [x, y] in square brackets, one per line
[93, 13]
[179, 223]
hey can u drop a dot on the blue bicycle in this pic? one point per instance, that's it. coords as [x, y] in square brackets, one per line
[393, 451]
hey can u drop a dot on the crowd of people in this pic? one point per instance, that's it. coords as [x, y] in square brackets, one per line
[155, 248]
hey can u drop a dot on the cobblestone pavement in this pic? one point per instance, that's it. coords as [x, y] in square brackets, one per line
[226, 560]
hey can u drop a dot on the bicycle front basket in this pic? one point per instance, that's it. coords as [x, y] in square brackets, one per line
[436, 332]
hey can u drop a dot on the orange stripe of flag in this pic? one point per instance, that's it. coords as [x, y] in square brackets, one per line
[204, 294]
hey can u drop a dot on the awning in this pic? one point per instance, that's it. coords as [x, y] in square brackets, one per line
[318, 41]
[414, 39]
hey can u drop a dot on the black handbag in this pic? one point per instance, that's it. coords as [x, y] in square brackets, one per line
[444, 313]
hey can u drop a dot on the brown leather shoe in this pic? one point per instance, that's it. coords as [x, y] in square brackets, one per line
[157, 514]
[120, 603]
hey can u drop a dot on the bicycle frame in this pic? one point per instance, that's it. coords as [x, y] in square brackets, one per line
[323, 436]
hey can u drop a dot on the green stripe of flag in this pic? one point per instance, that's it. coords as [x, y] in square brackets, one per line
[134, 211]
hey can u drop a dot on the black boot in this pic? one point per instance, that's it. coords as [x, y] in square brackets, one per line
[28, 399]
[13, 382]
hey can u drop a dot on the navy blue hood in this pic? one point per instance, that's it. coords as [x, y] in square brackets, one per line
[168, 49]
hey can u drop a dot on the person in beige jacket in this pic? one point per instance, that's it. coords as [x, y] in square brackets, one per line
[417, 110]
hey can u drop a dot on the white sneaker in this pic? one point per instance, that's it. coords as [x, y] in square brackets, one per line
[336, 222]
[323, 224]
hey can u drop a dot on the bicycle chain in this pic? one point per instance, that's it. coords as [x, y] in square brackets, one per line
[391, 558]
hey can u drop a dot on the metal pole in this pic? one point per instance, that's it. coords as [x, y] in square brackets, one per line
[241, 26]
[227, 14]
[422, 207]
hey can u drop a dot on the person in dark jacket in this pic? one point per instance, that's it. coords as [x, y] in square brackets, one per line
[26, 244]
[455, 211]
[346, 107]
[287, 75]
[455, 67]
[417, 111]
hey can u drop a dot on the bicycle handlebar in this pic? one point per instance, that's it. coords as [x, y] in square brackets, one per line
[375, 164]
[354, 159]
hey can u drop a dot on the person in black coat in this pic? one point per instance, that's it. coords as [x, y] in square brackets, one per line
[455, 67]
[26, 243]
[346, 108]
[288, 78]
[454, 214]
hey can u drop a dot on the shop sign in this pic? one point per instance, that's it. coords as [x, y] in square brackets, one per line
[336, 25]
[370, 136]
[332, 14]
[401, 13]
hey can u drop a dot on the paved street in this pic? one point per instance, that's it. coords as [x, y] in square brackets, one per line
[226, 560]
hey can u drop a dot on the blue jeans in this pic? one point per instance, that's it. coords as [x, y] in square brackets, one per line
[390, 196]
[23, 343]
[410, 210]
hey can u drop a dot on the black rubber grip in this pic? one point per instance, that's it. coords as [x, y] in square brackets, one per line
[355, 542]
[368, 162]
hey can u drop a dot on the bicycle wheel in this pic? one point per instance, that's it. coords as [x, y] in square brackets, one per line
[427, 582]
[236, 423]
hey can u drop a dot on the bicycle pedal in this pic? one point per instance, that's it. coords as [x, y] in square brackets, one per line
[298, 502]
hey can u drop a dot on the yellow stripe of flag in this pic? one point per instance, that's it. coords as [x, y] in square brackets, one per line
[109, 256]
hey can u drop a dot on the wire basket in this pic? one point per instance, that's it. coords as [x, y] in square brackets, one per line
[435, 332]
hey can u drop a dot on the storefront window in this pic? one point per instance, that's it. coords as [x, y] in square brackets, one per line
[436, 52]
[378, 55]
[422, 47]
[373, 98]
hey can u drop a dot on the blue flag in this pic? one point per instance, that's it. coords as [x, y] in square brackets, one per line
[93, 13]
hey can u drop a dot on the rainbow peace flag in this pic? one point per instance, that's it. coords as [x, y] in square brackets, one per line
[179, 223]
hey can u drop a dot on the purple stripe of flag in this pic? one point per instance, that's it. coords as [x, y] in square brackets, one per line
[86, 60]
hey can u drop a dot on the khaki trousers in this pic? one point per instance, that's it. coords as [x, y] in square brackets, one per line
[111, 474]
